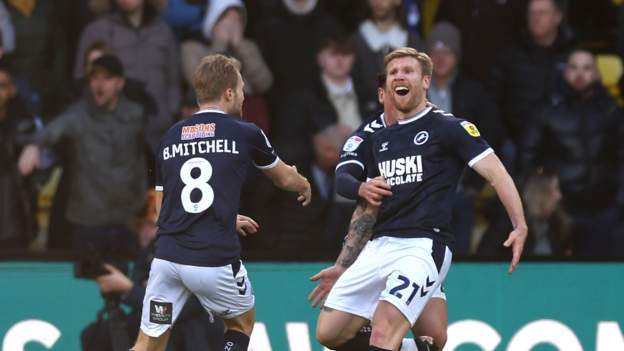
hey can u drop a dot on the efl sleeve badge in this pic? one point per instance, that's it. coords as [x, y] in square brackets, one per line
[471, 129]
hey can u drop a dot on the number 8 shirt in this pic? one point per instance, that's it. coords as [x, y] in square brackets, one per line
[200, 168]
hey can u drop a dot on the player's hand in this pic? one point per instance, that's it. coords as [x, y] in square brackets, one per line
[374, 191]
[114, 282]
[305, 196]
[327, 278]
[516, 241]
[28, 160]
[246, 225]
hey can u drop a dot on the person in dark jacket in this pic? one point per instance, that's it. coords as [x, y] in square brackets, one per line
[381, 33]
[527, 73]
[454, 92]
[487, 28]
[331, 99]
[579, 133]
[288, 38]
[41, 52]
[17, 191]
[551, 230]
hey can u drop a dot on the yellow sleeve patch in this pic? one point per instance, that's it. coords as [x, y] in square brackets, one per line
[471, 129]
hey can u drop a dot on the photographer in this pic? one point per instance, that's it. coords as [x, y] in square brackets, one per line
[195, 329]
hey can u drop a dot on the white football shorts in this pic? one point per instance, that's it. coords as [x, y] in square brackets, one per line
[405, 272]
[224, 291]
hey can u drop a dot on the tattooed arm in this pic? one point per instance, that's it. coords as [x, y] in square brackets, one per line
[360, 231]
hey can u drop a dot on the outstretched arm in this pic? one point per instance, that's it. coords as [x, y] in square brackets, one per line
[287, 178]
[491, 168]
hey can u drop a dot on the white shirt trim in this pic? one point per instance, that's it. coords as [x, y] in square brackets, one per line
[158, 188]
[208, 110]
[418, 116]
[269, 166]
[480, 157]
[383, 120]
[350, 161]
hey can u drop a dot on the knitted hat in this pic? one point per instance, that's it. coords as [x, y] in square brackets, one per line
[444, 34]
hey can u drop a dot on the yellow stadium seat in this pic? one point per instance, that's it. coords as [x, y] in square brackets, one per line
[610, 68]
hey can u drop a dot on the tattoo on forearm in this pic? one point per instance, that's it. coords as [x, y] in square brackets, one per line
[360, 231]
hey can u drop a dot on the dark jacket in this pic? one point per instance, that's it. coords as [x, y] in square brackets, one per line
[289, 44]
[302, 115]
[108, 165]
[41, 53]
[583, 141]
[367, 66]
[486, 27]
[524, 76]
[17, 193]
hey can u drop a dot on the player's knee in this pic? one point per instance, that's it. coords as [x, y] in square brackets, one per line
[325, 336]
[381, 334]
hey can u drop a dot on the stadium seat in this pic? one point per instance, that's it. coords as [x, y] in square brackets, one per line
[610, 68]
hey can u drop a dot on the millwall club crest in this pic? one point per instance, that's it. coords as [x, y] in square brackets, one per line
[421, 138]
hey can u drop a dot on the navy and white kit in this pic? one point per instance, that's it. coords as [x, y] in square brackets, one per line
[422, 159]
[200, 168]
[352, 167]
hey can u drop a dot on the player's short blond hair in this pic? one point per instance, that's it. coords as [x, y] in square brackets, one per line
[423, 59]
[214, 75]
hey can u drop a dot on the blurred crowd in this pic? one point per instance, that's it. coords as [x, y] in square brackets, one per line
[90, 86]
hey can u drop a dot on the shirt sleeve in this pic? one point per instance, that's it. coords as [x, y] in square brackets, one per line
[351, 167]
[262, 153]
[464, 139]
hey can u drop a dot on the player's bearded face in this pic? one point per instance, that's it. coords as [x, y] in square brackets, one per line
[405, 84]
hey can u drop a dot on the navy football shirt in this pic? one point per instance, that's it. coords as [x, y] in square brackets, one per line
[356, 151]
[422, 159]
[200, 168]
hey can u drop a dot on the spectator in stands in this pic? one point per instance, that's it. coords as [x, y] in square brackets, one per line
[149, 52]
[133, 89]
[300, 133]
[579, 134]
[40, 57]
[331, 100]
[289, 38]
[383, 32]
[527, 73]
[17, 191]
[487, 28]
[550, 229]
[108, 170]
[452, 91]
[7, 33]
[223, 30]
